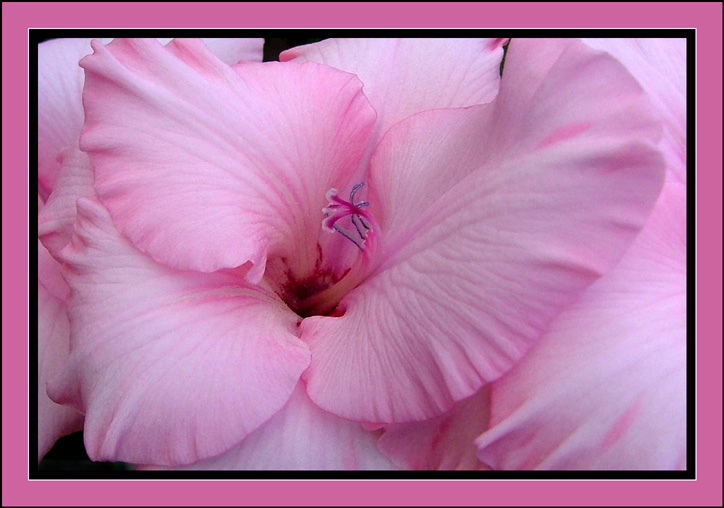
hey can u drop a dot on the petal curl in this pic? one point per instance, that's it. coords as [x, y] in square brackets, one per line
[60, 84]
[239, 160]
[54, 420]
[659, 65]
[75, 181]
[493, 219]
[605, 388]
[303, 437]
[406, 76]
[169, 367]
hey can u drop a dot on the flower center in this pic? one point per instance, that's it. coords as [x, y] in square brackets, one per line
[319, 292]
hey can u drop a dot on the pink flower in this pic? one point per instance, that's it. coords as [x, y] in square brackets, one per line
[605, 388]
[223, 249]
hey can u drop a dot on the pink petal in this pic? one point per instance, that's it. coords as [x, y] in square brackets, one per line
[659, 65]
[302, 436]
[60, 113]
[75, 181]
[169, 367]
[50, 276]
[233, 51]
[405, 76]
[493, 219]
[606, 387]
[184, 147]
[54, 420]
[60, 83]
[443, 443]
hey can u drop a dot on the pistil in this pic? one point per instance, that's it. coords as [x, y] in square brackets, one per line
[362, 235]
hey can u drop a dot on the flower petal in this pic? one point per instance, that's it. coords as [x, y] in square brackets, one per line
[169, 367]
[60, 83]
[60, 113]
[56, 219]
[302, 436]
[185, 147]
[233, 51]
[659, 65]
[405, 76]
[443, 443]
[606, 386]
[493, 219]
[54, 420]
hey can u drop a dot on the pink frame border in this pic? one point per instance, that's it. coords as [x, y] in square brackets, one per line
[18, 17]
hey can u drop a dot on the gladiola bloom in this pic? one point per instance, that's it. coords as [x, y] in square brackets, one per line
[224, 249]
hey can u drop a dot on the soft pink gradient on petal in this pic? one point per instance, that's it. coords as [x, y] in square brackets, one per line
[605, 388]
[302, 436]
[233, 51]
[485, 243]
[60, 84]
[443, 443]
[632, 413]
[50, 276]
[406, 76]
[56, 219]
[239, 160]
[169, 367]
[60, 113]
[54, 420]
[660, 67]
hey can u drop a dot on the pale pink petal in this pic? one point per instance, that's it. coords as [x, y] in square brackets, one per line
[56, 219]
[606, 387]
[60, 113]
[60, 83]
[50, 276]
[302, 436]
[238, 160]
[443, 443]
[169, 367]
[492, 219]
[660, 67]
[405, 76]
[233, 51]
[54, 420]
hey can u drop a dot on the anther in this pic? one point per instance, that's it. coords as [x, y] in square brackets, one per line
[339, 208]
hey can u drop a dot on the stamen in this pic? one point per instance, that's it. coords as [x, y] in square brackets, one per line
[354, 191]
[364, 222]
[349, 236]
[355, 220]
[338, 209]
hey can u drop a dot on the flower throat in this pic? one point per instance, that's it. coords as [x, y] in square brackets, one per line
[321, 291]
